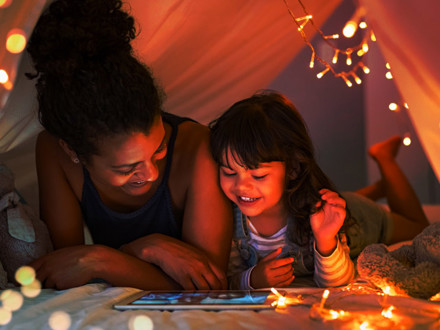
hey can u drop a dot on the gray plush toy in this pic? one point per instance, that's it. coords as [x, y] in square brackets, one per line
[412, 269]
[23, 236]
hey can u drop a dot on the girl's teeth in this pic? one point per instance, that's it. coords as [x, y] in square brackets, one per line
[247, 199]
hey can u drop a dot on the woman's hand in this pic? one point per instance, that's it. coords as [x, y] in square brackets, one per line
[68, 267]
[327, 221]
[183, 263]
[272, 272]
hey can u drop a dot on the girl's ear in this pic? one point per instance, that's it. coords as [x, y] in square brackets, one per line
[69, 151]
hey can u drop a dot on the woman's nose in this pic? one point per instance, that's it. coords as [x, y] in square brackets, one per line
[149, 172]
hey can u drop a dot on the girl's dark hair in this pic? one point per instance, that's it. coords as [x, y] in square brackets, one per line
[267, 127]
[89, 84]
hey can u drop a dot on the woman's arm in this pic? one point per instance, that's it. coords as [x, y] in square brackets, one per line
[59, 206]
[73, 263]
[77, 265]
[207, 221]
[200, 260]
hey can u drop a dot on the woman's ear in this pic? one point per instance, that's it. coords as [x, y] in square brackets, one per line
[69, 151]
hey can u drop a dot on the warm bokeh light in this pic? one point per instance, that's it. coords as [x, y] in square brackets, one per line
[59, 320]
[31, 290]
[349, 29]
[25, 275]
[5, 316]
[406, 105]
[365, 326]
[3, 76]
[393, 107]
[387, 65]
[348, 82]
[8, 85]
[349, 61]
[388, 75]
[388, 312]
[335, 57]
[5, 3]
[11, 300]
[407, 141]
[140, 322]
[363, 25]
[322, 73]
[16, 41]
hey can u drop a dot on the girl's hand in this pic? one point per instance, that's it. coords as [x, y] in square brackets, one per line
[327, 221]
[272, 272]
[182, 262]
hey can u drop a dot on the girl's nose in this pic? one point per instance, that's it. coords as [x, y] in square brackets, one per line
[243, 183]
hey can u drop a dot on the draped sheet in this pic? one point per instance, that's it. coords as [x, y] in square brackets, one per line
[209, 54]
[205, 54]
[408, 34]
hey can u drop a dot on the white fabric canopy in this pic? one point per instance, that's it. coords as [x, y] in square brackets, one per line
[209, 54]
[408, 34]
[205, 54]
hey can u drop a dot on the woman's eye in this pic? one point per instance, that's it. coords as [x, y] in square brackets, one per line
[125, 172]
[259, 177]
[161, 149]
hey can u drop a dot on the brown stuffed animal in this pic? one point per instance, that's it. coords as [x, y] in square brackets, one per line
[412, 269]
[23, 236]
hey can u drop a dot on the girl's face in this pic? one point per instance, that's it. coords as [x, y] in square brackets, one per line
[257, 192]
[129, 161]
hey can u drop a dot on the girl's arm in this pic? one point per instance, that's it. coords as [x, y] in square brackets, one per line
[336, 269]
[333, 265]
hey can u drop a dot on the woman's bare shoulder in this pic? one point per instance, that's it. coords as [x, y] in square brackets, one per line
[53, 162]
[193, 135]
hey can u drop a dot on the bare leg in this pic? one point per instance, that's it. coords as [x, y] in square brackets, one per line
[404, 204]
[374, 191]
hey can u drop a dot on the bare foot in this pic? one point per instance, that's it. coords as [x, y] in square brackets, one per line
[386, 150]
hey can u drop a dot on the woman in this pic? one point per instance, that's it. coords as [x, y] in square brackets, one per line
[142, 180]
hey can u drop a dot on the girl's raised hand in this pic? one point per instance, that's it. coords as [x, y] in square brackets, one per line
[272, 272]
[328, 220]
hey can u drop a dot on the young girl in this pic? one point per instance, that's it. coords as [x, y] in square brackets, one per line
[142, 180]
[290, 223]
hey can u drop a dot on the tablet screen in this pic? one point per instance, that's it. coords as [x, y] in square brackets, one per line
[200, 299]
[203, 297]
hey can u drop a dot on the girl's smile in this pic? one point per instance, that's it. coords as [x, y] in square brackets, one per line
[257, 192]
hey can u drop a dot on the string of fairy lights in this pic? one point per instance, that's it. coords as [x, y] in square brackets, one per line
[353, 67]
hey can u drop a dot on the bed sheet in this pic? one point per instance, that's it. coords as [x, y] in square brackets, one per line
[363, 307]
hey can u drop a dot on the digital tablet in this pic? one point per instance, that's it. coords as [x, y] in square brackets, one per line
[201, 299]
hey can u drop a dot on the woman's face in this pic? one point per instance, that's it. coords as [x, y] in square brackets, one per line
[129, 161]
[257, 192]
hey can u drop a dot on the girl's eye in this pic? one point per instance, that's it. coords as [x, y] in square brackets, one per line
[259, 177]
[228, 174]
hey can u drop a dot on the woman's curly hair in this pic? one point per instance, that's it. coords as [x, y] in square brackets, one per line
[89, 84]
[267, 127]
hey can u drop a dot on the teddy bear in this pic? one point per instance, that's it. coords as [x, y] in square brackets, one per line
[412, 270]
[23, 236]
